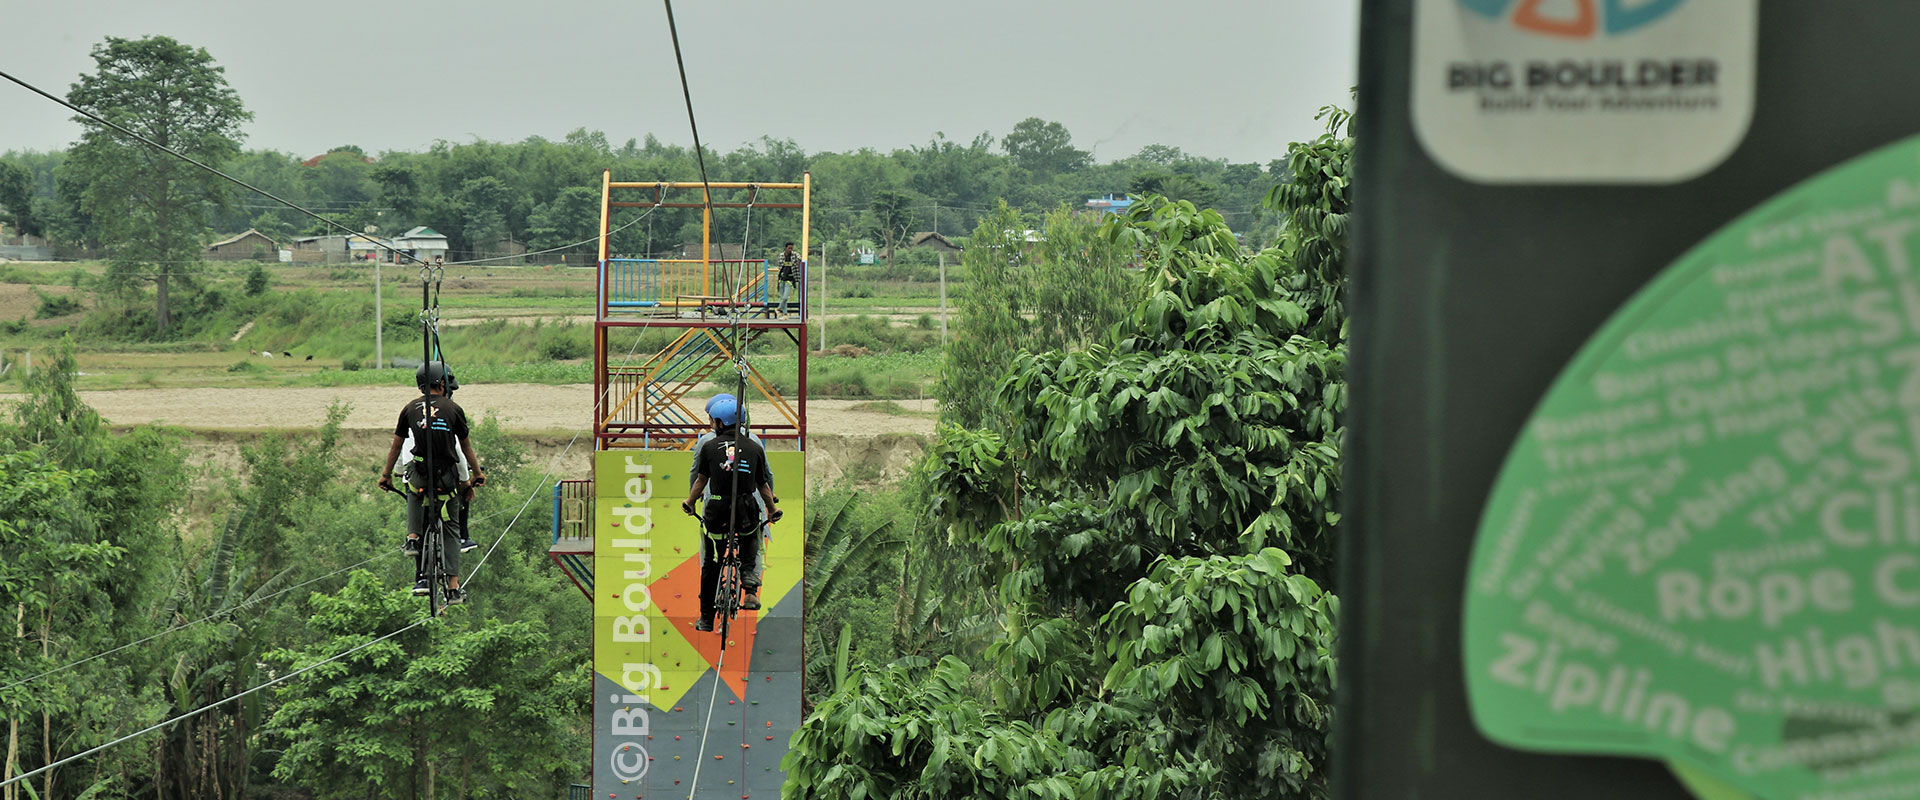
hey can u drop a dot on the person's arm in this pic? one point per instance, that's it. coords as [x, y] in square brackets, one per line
[386, 471]
[473, 461]
[693, 496]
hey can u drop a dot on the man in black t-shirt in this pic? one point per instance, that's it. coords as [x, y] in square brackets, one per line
[436, 426]
[734, 468]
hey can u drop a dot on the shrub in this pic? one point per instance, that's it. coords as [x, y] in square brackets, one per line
[256, 280]
[563, 342]
[350, 364]
[925, 322]
[56, 305]
[246, 367]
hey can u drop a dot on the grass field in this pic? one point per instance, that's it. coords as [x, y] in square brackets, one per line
[500, 324]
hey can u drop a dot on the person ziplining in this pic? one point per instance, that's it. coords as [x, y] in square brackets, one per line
[434, 429]
[734, 468]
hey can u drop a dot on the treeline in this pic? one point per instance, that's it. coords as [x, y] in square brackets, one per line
[119, 617]
[1112, 575]
[546, 193]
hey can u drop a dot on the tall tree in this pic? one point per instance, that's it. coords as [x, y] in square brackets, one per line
[891, 217]
[152, 206]
[1043, 147]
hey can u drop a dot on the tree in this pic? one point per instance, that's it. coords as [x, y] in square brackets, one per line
[1176, 187]
[16, 198]
[152, 206]
[891, 216]
[1044, 148]
[1157, 514]
[572, 216]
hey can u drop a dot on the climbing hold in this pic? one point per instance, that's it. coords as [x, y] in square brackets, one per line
[676, 758]
[755, 702]
[717, 758]
[729, 722]
[769, 738]
[745, 746]
[769, 723]
[676, 738]
[676, 708]
[731, 702]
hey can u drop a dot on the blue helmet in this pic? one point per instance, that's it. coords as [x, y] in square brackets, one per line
[724, 409]
[721, 397]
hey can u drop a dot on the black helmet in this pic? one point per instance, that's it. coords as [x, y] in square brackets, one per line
[434, 372]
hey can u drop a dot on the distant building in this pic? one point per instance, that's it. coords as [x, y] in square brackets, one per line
[320, 249]
[250, 245]
[1113, 203]
[933, 240]
[422, 243]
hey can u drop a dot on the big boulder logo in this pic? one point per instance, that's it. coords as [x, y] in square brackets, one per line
[1585, 22]
[1582, 91]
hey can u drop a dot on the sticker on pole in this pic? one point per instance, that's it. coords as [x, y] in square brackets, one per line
[1704, 547]
[1583, 91]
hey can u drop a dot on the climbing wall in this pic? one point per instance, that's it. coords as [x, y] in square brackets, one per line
[654, 675]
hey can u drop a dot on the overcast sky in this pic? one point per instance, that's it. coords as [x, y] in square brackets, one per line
[1235, 79]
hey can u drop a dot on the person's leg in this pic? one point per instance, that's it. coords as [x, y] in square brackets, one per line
[416, 517]
[455, 533]
[749, 544]
[786, 289]
[709, 576]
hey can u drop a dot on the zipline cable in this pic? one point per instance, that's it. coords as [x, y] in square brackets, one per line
[211, 706]
[189, 159]
[185, 625]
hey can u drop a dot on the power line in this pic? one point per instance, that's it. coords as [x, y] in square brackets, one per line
[182, 626]
[189, 159]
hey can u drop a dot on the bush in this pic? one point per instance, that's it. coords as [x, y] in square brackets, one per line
[925, 322]
[246, 367]
[350, 364]
[56, 305]
[256, 280]
[563, 342]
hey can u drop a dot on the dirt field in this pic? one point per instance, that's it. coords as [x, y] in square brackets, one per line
[523, 408]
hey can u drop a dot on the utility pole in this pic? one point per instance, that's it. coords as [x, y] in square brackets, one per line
[943, 297]
[379, 318]
[826, 246]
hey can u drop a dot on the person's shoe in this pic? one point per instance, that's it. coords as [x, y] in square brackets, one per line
[412, 547]
[751, 602]
[468, 545]
[703, 625]
[420, 588]
[456, 596]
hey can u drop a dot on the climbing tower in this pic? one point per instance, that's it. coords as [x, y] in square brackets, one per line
[678, 712]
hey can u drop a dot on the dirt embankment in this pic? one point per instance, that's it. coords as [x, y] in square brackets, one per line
[845, 440]
[522, 408]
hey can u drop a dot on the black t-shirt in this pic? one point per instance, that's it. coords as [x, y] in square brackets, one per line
[789, 267]
[721, 458]
[445, 424]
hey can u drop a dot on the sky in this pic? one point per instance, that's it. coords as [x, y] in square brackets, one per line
[1233, 79]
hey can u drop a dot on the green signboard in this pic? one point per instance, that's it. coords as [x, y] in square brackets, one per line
[1634, 478]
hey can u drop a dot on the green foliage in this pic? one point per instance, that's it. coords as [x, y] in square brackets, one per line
[440, 694]
[1150, 512]
[16, 198]
[1061, 292]
[564, 341]
[55, 305]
